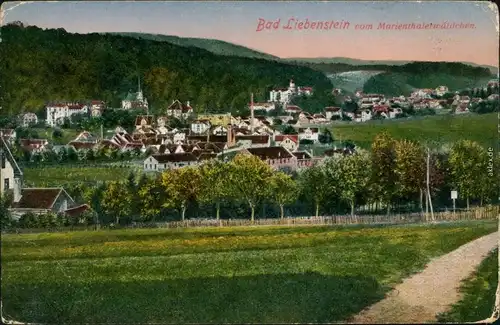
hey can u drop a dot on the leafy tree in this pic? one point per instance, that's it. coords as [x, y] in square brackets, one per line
[384, 177]
[151, 196]
[289, 130]
[182, 185]
[353, 177]
[314, 185]
[5, 216]
[249, 179]
[284, 190]
[116, 200]
[215, 187]
[410, 168]
[468, 168]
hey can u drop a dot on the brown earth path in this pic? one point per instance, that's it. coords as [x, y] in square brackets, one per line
[422, 296]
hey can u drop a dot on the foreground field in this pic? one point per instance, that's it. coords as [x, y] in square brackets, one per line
[53, 175]
[216, 275]
[439, 128]
[479, 294]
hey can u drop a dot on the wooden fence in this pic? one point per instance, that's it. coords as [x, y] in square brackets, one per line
[482, 213]
[479, 213]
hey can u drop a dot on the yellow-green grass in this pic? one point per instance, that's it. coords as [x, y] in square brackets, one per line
[478, 294]
[216, 275]
[43, 176]
[440, 128]
[67, 135]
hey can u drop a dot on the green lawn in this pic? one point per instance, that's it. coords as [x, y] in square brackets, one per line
[216, 275]
[67, 135]
[53, 175]
[440, 128]
[479, 294]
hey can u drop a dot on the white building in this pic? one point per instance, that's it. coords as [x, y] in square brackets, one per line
[135, 100]
[309, 134]
[28, 119]
[96, 108]
[332, 111]
[179, 110]
[57, 112]
[200, 126]
[263, 106]
[287, 141]
[441, 90]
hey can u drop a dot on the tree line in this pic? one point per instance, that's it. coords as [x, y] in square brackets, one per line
[392, 176]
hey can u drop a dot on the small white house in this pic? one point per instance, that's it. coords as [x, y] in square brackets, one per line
[309, 134]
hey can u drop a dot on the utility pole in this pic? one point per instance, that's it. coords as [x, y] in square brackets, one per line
[251, 114]
[428, 183]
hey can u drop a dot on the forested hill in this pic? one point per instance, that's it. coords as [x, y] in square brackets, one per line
[213, 45]
[44, 65]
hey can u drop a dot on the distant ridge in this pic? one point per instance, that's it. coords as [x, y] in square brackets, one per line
[212, 45]
[231, 49]
[343, 60]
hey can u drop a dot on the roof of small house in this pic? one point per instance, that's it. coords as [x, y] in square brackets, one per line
[270, 152]
[302, 155]
[332, 109]
[39, 198]
[282, 137]
[78, 145]
[212, 138]
[313, 130]
[177, 105]
[293, 108]
[147, 118]
[77, 211]
[175, 157]
[254, 138]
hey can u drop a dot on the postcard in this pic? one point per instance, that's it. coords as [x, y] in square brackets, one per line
[249, 162]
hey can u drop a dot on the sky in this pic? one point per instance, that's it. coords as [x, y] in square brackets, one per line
[237, 22]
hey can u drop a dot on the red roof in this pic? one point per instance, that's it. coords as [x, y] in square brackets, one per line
[77, 211]
[270, 153]
[293, 108]
[254, 138]
[293, 137]
[38, 198]
[82, 145]
[177, 105]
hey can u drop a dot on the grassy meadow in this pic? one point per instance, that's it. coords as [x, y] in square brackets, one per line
[51, 175]
[438, 128]
[478, 294]
[216, 275]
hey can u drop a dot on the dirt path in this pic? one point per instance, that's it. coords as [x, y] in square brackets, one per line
[422, 296]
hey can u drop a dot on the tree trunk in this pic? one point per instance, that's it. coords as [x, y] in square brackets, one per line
[481, 203]
[183, 212]
[388, 208]
[117, 220]
[317, 210]
[252, 217]
[217, 212]
[352, 208]
[282, 212]
[421, 200]
[467, 203]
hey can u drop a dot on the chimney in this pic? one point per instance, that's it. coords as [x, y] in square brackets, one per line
[251, 114]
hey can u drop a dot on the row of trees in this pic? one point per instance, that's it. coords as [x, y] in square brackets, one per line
[394, 174]
[70, 155]
[394, 171]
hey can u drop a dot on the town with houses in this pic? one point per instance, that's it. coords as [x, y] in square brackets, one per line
[211, 136]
